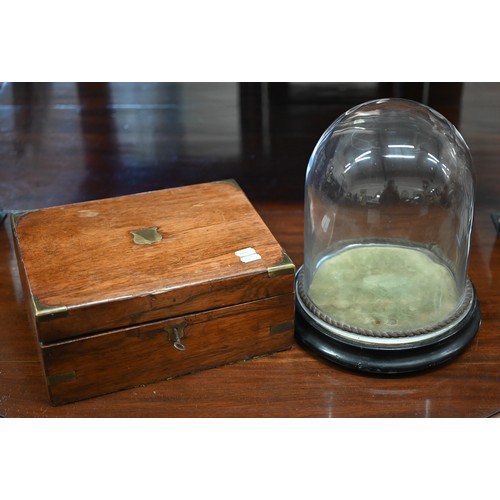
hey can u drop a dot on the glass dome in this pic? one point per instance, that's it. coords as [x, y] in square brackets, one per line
[389, 200]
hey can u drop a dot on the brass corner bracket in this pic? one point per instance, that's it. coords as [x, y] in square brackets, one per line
[44, 312]
[285, 266]
[15, 217]
[232, 182]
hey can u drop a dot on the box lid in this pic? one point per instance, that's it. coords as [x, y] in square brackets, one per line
[104, 264]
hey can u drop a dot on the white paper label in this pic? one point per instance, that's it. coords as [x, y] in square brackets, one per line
[247, 255]
[245, 251]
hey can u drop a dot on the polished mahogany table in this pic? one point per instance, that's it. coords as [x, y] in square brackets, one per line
[64, 143]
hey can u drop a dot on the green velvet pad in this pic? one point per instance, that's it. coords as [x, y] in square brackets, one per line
[384, 288]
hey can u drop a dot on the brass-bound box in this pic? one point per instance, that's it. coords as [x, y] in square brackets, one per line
[145, 287]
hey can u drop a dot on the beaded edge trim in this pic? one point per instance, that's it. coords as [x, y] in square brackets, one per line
[396, 334]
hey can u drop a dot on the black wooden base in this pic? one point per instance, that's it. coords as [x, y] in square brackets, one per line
[387, 360]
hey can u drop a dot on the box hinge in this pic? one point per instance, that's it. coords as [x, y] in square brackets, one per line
[286, 266]
[44, 312]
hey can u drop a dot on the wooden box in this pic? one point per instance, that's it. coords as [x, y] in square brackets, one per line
[145, 287]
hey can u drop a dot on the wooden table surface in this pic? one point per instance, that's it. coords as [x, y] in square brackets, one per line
[64, 143]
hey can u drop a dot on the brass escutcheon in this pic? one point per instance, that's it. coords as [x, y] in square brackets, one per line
[146, 236]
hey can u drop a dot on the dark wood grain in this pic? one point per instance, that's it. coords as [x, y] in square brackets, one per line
[63, 143]
[133, 356]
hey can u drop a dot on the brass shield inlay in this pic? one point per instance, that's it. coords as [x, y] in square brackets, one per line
[146, 236]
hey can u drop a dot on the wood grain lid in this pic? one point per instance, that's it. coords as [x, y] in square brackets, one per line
[104, 264]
